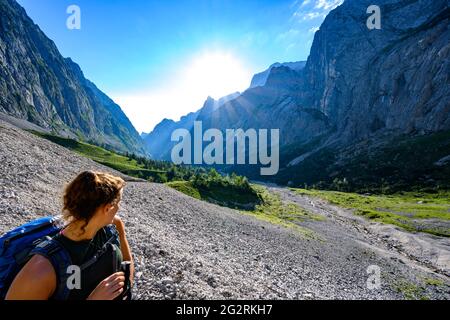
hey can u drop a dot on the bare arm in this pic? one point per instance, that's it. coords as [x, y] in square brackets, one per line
[124, 245]
[36, 281]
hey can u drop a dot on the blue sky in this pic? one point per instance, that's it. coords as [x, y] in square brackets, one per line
[161, 59]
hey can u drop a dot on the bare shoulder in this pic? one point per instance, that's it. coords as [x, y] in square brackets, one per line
[36, 281]
[41, 267]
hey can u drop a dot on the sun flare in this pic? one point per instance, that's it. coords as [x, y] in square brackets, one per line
[207, 73]
[216, 74]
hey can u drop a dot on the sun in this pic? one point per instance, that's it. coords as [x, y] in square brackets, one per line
[185, 87]
[216, 74]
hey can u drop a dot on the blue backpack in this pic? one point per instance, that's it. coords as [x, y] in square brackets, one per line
[35, 237]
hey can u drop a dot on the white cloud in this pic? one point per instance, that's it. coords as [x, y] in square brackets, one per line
[305, 3]
[312, 15]
[314, 9]
[328, 5]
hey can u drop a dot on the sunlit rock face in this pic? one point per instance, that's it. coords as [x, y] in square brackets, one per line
[395, 78]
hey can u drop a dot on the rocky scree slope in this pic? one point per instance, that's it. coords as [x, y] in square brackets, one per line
[185, 248]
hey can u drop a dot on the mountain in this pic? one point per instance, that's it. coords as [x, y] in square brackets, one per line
[260, 79]
[159, 142]
[370, 108]
[360, 81]
[39, 85]
[386, 94]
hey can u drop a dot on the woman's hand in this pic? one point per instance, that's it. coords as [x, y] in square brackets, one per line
[110, 288]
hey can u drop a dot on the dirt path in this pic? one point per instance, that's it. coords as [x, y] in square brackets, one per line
[419, 250]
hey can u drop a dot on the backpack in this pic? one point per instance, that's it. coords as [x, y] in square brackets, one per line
[36, 237]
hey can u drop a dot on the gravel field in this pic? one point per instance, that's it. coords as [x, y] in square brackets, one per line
[189, 249]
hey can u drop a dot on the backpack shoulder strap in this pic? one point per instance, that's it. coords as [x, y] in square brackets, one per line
[60, 260]
[113, 239]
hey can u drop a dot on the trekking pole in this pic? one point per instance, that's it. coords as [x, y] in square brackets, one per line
[126, 269]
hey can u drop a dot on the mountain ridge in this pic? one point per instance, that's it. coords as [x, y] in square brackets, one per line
[260, 79]
[159, 141]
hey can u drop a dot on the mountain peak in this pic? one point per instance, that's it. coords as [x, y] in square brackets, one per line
[260, 79]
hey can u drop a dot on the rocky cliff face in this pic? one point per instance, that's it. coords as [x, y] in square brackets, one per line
[359, 81]
[386, 94]
[273, 106]
[39, 85]
[158, 141]
[394, 79]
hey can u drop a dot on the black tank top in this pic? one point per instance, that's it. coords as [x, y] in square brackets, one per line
[82, 251]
